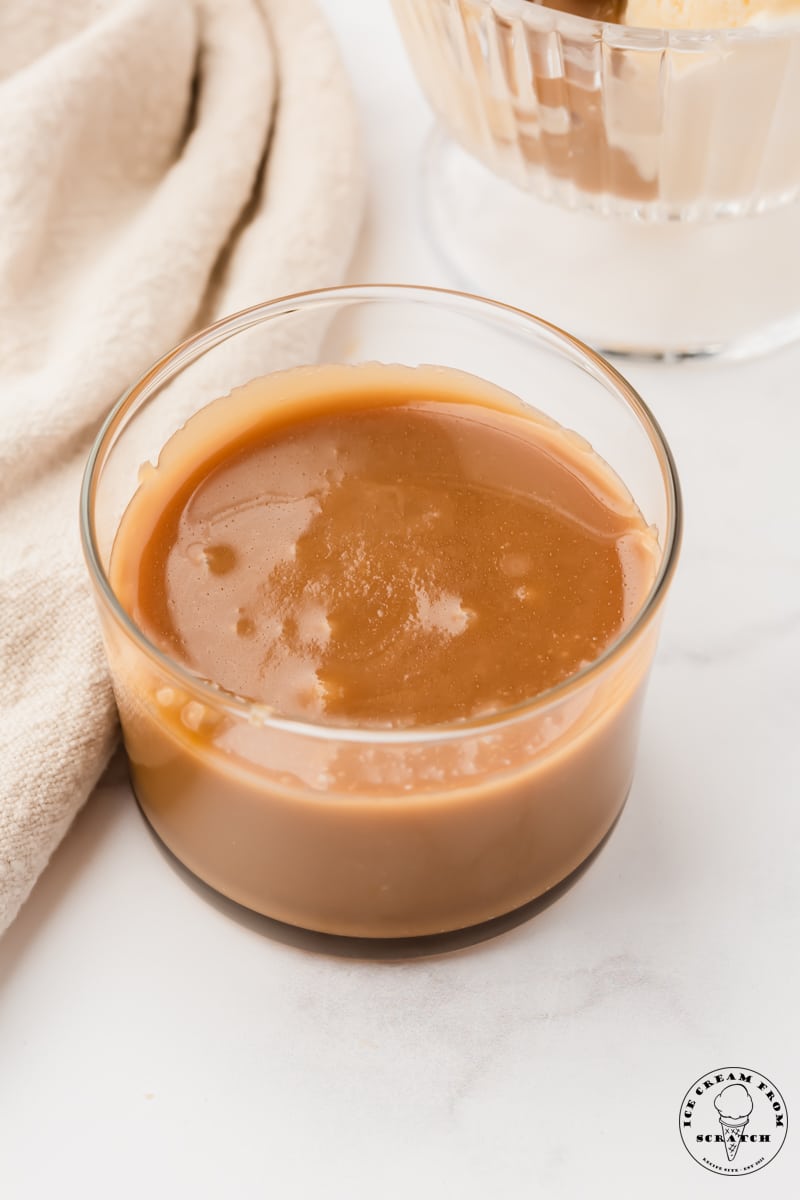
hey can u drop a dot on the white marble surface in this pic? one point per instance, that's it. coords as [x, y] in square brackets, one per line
[152, 1043]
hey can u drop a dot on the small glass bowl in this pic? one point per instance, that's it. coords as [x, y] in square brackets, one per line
[621, 127]
[365, 832]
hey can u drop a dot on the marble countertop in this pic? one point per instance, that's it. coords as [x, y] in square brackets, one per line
[154, 1041]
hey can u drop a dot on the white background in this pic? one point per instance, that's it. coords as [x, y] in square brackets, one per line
[154, 1042]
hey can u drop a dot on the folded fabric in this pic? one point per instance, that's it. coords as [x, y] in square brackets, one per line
[161, 164]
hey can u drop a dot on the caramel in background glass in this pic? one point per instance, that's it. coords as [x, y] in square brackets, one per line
[661, 124]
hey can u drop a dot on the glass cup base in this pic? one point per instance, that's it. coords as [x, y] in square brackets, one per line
[340, 945]
[646, 289]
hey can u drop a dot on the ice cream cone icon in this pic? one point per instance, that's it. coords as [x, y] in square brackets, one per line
[734, 1105]
[732, 1132]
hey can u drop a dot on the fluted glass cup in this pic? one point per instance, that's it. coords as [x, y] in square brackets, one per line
[657, 170]
[370, 832]
[597, 115]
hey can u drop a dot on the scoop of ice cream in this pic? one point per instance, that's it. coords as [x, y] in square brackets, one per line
[734, 1102]
[707, 14]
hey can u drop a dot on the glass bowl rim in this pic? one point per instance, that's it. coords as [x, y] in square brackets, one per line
[634, 37]
[196, 345]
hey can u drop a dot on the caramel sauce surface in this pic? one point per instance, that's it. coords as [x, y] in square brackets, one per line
[381, 546]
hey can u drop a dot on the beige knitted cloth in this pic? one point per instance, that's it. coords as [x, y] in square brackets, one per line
[162, 162]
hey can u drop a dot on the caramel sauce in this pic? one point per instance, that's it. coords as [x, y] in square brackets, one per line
[395, 557]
